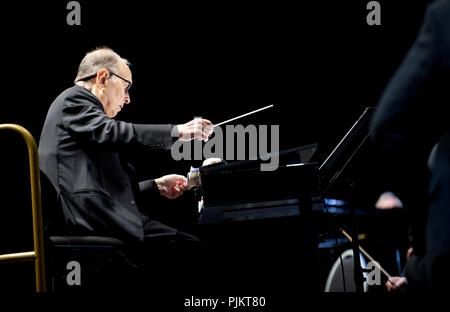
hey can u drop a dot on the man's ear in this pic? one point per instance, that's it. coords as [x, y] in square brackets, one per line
[102, 75]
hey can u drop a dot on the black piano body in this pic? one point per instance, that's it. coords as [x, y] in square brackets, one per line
[238, 193]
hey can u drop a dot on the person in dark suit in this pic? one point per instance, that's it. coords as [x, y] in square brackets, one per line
[81, 153]
[411, 128]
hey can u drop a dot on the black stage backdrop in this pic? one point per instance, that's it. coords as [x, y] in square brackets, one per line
[318, 62]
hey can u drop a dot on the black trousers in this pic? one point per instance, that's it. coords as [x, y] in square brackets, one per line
[159, 234]
[170, 258]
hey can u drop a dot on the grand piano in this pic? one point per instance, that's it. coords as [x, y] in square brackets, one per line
[264, 225]
[240, 191]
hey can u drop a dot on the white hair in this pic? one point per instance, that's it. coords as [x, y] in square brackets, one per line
[97, 59]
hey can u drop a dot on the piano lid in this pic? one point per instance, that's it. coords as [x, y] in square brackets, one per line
[347, 148]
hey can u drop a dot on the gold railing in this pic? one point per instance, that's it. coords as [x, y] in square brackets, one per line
[38, 236]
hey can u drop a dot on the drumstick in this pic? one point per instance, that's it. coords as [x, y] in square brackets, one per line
[255, 111]
[371, 259]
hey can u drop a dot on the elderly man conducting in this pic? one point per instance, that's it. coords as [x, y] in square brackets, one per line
[80, 152]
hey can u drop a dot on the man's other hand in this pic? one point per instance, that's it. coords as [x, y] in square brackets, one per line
[171, 186]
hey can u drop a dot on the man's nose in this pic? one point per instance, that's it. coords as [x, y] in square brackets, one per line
[127, 98]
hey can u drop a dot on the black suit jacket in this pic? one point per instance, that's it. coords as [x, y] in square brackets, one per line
[80, 153]
[412, 112]
[412, 116]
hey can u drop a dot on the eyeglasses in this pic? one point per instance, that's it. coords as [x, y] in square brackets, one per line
[127, 89]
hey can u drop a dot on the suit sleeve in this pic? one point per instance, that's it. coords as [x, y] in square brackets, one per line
[400, 111]
[148, 187]
[85, 120]
[403, 117]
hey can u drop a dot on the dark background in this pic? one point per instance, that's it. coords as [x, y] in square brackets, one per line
[318, 62]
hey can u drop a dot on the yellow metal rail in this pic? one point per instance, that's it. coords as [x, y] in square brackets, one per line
[38, 235]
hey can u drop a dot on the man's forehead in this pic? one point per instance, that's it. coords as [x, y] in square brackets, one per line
[125, 71]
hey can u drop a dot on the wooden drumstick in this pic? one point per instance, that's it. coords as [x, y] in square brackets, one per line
[371, 259]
